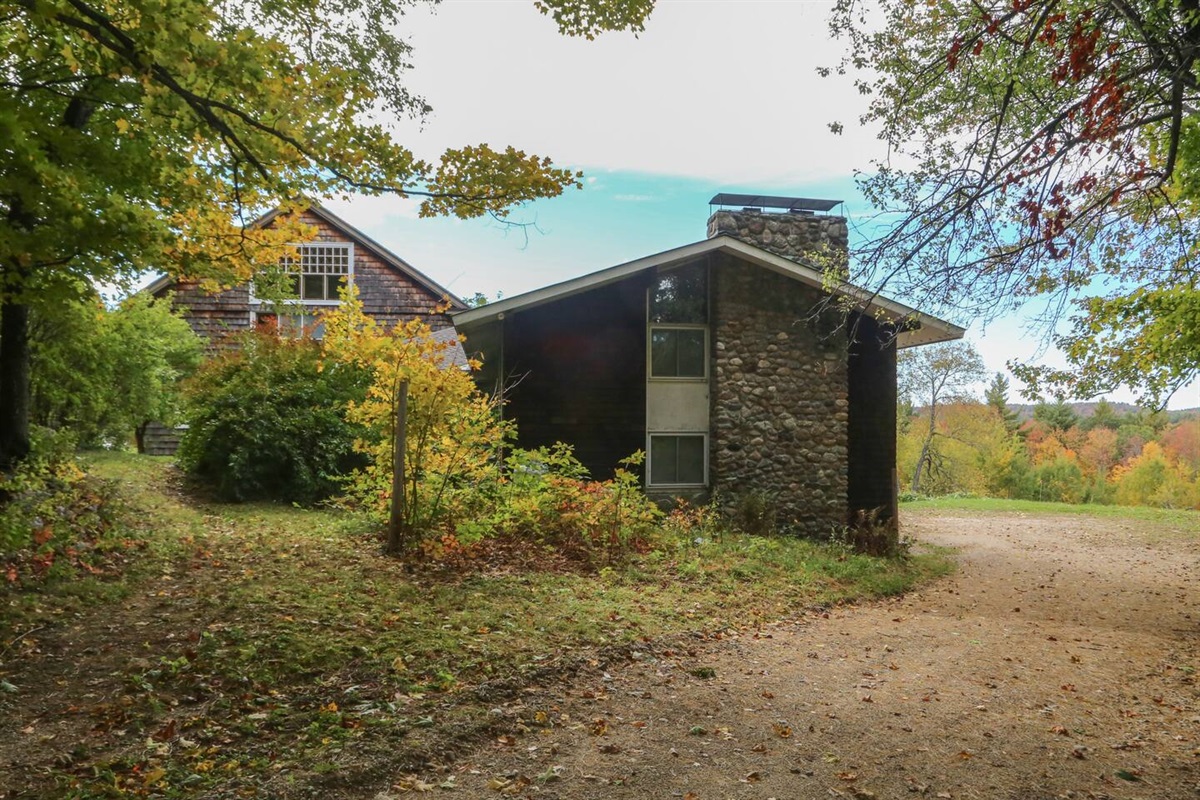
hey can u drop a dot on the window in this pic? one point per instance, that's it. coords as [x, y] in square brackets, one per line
[677, 313]
[292, 324]
[322, 270]
[678, 352]
[680, 297]
[678, 459]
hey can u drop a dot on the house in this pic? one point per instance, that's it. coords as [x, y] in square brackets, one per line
[390, 289]
[724, 360]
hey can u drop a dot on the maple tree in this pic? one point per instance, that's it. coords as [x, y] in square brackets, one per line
[1041, 149]
[150, 133]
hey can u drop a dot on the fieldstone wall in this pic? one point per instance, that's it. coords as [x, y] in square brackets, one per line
[794, 236]
[779, 400]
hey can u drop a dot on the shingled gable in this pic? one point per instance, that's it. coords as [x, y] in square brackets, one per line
[722, 360]
[390, 289]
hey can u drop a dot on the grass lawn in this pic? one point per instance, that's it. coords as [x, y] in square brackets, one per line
[272, 651]
[1178, 519]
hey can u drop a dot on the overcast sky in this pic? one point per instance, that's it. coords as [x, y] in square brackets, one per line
[715, 95]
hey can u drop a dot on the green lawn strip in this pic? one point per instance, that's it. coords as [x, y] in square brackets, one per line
[1186, 520]
[307, 656]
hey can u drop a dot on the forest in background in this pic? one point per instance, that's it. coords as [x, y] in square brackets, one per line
[1099, 452]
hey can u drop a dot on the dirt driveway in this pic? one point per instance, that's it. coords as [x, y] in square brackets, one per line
[1059, 662]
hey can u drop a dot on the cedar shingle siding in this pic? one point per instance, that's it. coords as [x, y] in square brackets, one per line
[388, 294]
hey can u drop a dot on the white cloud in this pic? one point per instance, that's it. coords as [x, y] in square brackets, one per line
[718, 90]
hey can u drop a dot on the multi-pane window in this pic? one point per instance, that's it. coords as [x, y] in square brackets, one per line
[321, 271]
[292, 323]
[677, 459]
[678, 317]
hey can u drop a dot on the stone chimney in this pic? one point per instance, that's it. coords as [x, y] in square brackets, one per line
[791, 234]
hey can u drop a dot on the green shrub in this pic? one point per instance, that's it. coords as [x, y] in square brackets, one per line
[546, 497]
[267, 420]
[57, 521]
[872, 535]
[1057, 481]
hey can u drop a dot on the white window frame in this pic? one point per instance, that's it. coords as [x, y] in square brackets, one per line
[299, 301]
[649, 471]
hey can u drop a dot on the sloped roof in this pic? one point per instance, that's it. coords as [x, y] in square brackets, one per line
[920, 329]
[359, 238]
[454, 355]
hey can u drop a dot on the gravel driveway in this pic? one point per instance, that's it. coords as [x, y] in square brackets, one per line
[1058, 662]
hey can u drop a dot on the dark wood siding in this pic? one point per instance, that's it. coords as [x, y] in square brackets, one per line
[580, 368]
[872, 422]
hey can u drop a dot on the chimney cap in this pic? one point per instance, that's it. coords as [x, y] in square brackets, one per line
[768, 201]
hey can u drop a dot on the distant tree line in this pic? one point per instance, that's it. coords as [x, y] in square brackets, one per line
[967, 446]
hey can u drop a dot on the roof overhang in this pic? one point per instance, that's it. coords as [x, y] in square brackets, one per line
[916, 328]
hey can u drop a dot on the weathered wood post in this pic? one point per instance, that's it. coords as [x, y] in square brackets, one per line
[397, 539]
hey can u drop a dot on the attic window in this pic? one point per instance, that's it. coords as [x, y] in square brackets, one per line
[322, 270]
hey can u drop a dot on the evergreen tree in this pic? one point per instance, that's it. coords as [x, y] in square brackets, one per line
[996, 396]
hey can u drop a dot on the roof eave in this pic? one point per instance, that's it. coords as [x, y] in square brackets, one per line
[932, 329]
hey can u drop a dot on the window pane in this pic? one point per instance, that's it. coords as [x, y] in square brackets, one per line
[334, 283]
[664, 353]
[663, 455]
[314, 287]
[314, 326]
[294, 285]
[290, 325]
[689, 466]
[691, 354]
[681, 297]
[677, 460]
[677, 353]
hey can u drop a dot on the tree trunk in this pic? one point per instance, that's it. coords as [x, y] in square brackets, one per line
[916, 482]
[398, 528]
[139, 436]
[14, 384]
